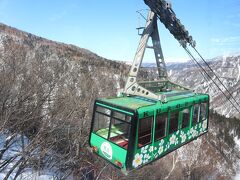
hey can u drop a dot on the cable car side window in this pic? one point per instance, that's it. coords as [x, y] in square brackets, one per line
[203, 111]
[173, 126]
[119, 115]
[128, 118]
[101, 124]
[160, 127]
[185, 118]
[103, 110]
[195, 117]
[119, 133]
[144, 131]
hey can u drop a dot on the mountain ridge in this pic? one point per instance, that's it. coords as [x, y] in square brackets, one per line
[23, 34]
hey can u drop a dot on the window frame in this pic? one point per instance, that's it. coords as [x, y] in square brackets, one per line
[182, 118]
[95, 131]
[169, 121]
[198, 114]
[165, 128]
[128, 131]
[110, 124]
[151, 133]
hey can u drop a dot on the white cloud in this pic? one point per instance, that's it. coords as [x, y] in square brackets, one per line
[233, 40]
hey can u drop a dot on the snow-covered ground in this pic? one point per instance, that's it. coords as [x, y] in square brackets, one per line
[15, 150]
[237, 142]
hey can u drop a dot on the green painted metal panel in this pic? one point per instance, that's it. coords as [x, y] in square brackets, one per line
[145, 112]
[159, 148]
[116, 109]
[129, 102]
[108, 150]
[135, 102]
[173, 105]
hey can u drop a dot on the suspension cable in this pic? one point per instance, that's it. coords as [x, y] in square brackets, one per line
[203, 75]
[189, 53]
[216, 76]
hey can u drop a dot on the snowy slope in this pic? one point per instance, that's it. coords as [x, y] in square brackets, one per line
[226, 68]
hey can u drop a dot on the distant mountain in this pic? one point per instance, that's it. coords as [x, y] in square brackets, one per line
[190, 75]
[226, 68]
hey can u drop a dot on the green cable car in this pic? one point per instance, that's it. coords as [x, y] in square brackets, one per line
[131, 132]
[151, 118]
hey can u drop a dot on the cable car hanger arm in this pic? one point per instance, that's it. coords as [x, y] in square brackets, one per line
[132, 87]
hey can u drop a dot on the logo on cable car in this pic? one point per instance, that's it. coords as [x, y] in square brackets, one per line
[106, 150]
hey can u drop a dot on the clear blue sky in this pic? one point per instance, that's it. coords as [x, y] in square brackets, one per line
[108, 27]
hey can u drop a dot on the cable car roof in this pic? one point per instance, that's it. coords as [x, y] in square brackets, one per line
[136, 102]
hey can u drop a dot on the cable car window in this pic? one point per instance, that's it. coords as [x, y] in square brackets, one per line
[195, 114]
[103, 110]
[185, 118]
[128, 119]
[119, 133]
[160, 127]
[144, 131]
[101, 124]
[119, 115]
[173, 126]
[203, 112]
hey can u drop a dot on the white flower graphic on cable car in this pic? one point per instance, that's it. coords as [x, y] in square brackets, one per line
[183, 137]
[167, 146]
[195, 133]
[146, 158]
[144, 150]
[191, 130]
[190, 133]
[173, 139]
[160, 150]
[179, 137]
[137, 160]
[204, 126]
[151, 149]
[161, 142]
